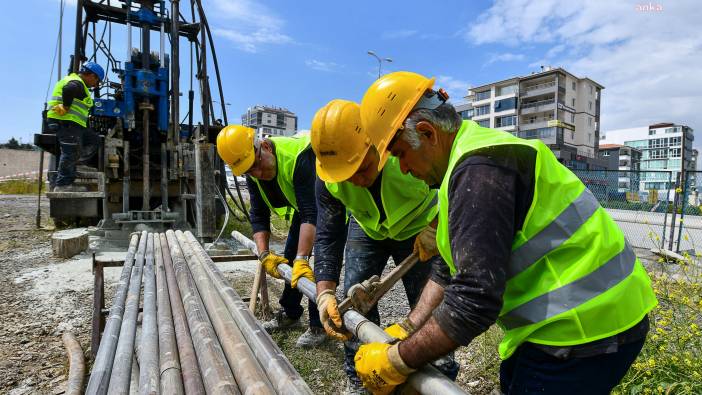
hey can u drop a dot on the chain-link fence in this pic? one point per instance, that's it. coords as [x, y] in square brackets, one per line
[643, 203]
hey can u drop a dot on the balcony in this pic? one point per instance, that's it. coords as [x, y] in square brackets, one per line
[533, 125]
[538, 89]
[538, 106]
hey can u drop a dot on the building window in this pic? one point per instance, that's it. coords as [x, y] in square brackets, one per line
[506, 104]
[482, 110]
[589, 121]
[605, 153]
[590, 105]
[675, 152]
[466, 114]
[572, 120]
[505, 90]
[651, 132]
[509, 120]
[572, 134]
[573, 85]
[675, 141]
[484, 123]
[482, 95]
[573, 101]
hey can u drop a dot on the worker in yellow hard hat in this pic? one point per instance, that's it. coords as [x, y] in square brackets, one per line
[280, 175]
[526, 246]
[388, 210]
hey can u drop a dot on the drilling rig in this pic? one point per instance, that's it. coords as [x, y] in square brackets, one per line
[152, 167]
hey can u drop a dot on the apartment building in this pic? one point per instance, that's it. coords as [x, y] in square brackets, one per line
[627, 163]
[665, 147]
[552, 105]
[270, 120]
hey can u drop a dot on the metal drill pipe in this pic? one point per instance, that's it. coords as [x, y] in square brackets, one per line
[146, 182]
[280, 371]
[169, 364]
[148, 364]
[102, 366]
[216, 373]
[426, 380]
[192, 380]
[122, 364]
[249, 375]
[76, 364]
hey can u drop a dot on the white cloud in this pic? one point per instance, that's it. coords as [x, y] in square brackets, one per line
[256, 25]
[398, 34]
[648, 61]
[505, 57]
[456, 88]
[322, 66]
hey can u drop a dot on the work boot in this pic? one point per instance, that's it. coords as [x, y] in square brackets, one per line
[86, 169]
[70, 188]
[311, 338]
[280, 320]
[354, 386]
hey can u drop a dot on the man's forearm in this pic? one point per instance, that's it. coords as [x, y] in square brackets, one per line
[431, 297]
[324, 285]
[427, 344]
[261, 239]
[306, 240]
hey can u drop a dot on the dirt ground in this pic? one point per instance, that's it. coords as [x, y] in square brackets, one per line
[43, 296]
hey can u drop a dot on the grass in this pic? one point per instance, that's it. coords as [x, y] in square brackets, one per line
[239, 222]
[24, 186]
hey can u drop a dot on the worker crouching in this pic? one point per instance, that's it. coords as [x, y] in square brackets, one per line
[526, 244]
[280, 177]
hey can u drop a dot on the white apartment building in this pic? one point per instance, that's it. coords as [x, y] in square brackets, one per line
[664, 147]
[270, 120]
[552, 105]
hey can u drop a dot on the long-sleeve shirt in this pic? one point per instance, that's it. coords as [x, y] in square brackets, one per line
[72, 90]
[331, 230]
[304, 177]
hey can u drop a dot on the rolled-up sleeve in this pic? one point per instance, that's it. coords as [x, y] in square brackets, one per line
[331, 235]
[481, 222]
[304, 179]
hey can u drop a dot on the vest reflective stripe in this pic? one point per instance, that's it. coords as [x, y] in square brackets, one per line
[408, 203]
[287, 149]
[79, 109]
[555, 234]
[574, 294]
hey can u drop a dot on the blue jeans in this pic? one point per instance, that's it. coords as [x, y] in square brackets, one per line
[530, 371]
[365, 257]
[291, 298]
[77, 144]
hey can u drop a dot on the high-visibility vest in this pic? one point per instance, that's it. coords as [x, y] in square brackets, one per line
[572, 277]
[79, 109]
[287, 149]
[408, 203]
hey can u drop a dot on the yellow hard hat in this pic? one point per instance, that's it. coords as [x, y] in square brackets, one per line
[235, 145]
[387, 103]
[338, 140]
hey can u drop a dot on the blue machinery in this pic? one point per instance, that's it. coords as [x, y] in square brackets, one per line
[147, 154]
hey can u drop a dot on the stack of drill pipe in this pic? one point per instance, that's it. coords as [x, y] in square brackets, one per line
[249, 375]
[192, 380]
[216, 373]
[281, 373]
[122, 364]
[148, 364]
[102, 366]
[169, 364]
[426, 380]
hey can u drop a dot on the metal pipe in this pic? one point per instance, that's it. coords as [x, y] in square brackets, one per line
[192, 380]
[249, 375]
[125, 178]
[426, 380]
[76, 364]
[148, 364]
[77, 49]
[122, 364]
[169, 364]
[102, 366]
[146, 183]
[280, 371]
[216, 373]
[164, 179]
[40, 182]
[175, 71]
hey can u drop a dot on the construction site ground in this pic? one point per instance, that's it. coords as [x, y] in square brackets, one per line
[42, 296]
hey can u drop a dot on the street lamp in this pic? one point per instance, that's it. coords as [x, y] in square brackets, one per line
[226, 104]
[380, 60]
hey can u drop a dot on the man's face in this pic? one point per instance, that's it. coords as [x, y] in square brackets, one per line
[368, 171]
[264, 166]
[416, 162]
[91, 80]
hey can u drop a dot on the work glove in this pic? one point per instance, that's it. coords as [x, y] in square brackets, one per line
[425, 244]
[270, 262]
[59, 109]
[301, 268]
[380, 367]
[401, 330]
[330, 317]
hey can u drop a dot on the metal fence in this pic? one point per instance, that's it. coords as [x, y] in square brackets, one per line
[653, 208]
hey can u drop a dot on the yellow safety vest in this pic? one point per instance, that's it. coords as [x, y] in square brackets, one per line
[79, 109]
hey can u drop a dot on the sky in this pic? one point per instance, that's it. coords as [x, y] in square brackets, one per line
[301, 54]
